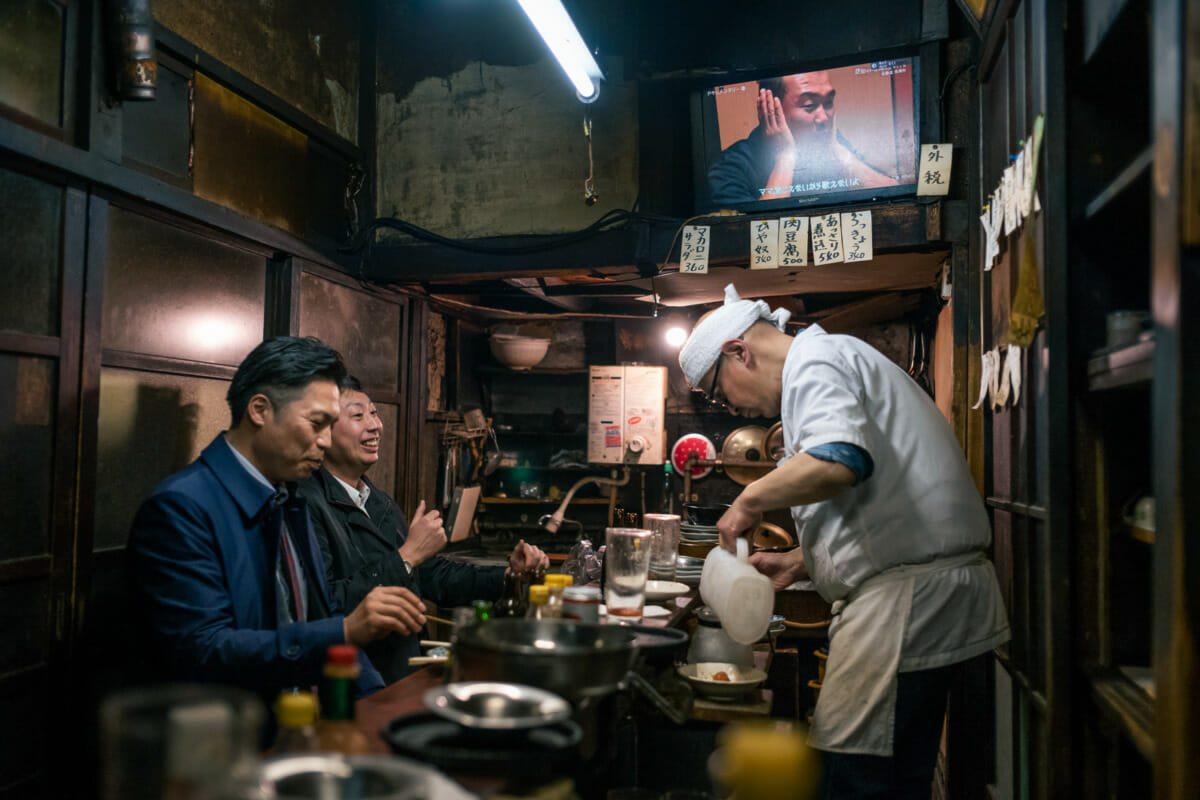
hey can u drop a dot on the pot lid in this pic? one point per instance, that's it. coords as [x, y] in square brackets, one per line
[772, 444]
[742, 455]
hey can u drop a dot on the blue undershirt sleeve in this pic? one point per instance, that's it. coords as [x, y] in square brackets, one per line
[851, 456]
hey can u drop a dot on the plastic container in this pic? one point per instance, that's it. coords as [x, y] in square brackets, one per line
[582, 603]
[740, 595]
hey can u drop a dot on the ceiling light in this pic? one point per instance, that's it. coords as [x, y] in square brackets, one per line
[676, 336]
[562, 37]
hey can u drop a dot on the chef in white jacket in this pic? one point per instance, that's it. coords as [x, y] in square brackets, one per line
[891, 529]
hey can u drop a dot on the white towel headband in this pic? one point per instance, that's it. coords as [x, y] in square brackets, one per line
[729, 321]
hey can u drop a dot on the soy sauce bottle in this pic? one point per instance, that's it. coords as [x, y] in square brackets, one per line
[510, 603]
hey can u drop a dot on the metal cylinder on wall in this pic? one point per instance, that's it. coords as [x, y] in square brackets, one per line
[137, 69]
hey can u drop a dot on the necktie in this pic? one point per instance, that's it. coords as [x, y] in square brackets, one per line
[289, 565]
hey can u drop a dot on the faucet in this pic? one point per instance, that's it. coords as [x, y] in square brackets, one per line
[551, 521]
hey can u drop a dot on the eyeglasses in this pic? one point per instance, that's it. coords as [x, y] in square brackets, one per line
[714, 395]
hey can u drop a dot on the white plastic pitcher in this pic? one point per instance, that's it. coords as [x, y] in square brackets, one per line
[741, 596]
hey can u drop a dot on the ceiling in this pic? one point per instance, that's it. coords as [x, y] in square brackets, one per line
[887, 287]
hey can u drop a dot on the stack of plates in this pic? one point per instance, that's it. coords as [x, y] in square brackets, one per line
[698, 534]
[687, 570]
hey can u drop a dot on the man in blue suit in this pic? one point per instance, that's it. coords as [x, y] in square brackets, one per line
[227, 574]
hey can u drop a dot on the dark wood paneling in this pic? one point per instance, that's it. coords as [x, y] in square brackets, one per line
[173, 366]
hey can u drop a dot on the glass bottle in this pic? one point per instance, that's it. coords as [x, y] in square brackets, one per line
[483, 611]
[555, 584]
[296, 713]
[668, 502]
[336, 730]
[538, 595]
[510, 603]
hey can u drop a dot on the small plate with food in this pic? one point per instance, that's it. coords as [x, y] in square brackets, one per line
[719, 681]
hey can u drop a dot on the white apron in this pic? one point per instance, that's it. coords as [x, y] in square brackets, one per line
[856, 709]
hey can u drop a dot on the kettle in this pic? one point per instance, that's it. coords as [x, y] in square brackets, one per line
[741, 596]
[710, 643]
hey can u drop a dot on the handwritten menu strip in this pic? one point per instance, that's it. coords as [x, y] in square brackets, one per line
[857, 236]
[793, 241]
[826, 239]
[934, 176]
[764, 244]
[693, 252]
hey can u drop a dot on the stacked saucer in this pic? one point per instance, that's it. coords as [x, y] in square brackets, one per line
[698, 534]
[687, 570]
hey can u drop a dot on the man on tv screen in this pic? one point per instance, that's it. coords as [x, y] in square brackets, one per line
[795, 149]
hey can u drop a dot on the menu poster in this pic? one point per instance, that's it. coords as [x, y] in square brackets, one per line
[793, 241]
[693, 251]
[764, 244]
[857, 236]
[826, 238]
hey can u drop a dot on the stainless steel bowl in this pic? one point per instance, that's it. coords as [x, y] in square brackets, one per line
[573, 660]
[493, 705]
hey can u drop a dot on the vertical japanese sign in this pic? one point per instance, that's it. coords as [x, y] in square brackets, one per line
[693, 251]
[933, 178]
[793, 241]
[826, 239]
[857, 236]
[764, 244]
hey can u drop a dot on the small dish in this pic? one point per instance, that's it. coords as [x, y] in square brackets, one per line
[665, 590]
[648, 612]
[741, 680]
[493, 705]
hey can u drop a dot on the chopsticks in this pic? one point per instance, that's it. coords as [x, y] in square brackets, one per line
[431, 618]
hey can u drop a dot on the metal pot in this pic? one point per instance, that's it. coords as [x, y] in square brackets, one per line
[573, 660]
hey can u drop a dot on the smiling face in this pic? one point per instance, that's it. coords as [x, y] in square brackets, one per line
[808, 107]
[356, 437]
[292, 437]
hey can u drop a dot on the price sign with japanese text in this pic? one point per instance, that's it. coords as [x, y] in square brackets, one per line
[693, 251]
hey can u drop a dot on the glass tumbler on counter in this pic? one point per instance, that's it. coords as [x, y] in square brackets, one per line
[626, 566]
[175, 739]
[664, 545]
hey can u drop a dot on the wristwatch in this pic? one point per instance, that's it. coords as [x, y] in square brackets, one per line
[407, 565]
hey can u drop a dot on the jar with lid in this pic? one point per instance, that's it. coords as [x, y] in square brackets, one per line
[582, 603]
[710, 643]
[555, 585]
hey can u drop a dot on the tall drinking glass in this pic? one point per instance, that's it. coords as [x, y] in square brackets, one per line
[174, 739]
[664, 547]
[626, 565]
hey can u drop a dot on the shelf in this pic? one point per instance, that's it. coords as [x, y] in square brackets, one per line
[550, 469]
[1127, 177]
[495, 369]
[529, 501]
[1127, 365]
[1142, 535]
[1120, 696]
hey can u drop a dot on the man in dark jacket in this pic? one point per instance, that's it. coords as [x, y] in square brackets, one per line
[367, 542]
[226, 571]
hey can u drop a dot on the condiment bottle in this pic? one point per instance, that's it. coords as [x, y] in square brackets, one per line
[510, 603]
[337, 730]
[296, 713]
[538, 595]
[483, 611]
[555, 584]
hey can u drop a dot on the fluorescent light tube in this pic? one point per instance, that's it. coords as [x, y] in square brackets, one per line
[562, 37]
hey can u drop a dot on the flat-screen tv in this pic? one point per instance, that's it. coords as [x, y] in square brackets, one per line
[791, 139]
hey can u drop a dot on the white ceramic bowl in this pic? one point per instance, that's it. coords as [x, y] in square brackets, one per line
[518, 352]
[742, 680]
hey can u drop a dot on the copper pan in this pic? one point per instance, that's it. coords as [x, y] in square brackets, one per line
[742, 456]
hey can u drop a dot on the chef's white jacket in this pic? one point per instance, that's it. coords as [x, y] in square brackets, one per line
[901, 556]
